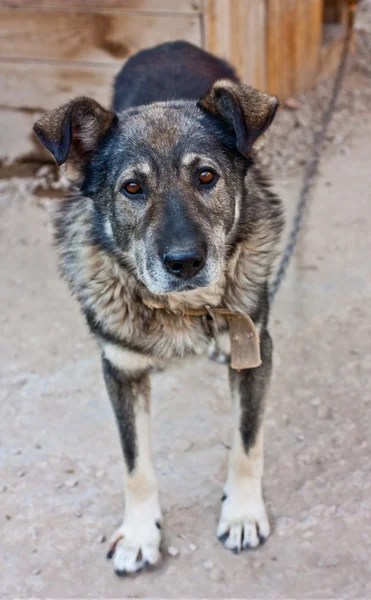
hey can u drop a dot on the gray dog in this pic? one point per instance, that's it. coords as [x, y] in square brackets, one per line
[168, 245]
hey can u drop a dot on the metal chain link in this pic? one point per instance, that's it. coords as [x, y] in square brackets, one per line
[313, 161]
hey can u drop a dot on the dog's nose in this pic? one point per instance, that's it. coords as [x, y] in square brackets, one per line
[185, 263]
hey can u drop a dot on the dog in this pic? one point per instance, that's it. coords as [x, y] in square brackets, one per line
[172, 222]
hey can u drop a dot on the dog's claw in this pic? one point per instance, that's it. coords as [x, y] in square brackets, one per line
[222, 538]
[262, 539]
[110, 554]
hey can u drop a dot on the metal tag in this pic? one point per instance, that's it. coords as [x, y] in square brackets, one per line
[245, 342]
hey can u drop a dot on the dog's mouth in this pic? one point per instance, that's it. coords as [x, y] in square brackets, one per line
[162, 283]
[173, 286]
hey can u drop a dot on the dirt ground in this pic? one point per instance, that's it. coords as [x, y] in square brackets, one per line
[61, 489]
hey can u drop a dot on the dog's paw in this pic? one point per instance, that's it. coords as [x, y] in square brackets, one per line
[243, 523]
[136, 544]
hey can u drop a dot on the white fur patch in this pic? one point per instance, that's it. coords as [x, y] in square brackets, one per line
[125, 359]
[108, 228]
[136, 543]
[224, 343]
[243, 522]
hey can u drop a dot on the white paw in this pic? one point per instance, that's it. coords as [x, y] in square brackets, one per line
[243, 522]
[136, 544]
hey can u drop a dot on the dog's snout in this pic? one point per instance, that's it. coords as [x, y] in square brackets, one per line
[185, 263]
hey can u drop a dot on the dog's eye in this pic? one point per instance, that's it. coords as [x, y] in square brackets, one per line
[132, 188]
[206, 177]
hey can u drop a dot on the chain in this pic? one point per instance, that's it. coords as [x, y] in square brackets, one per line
[313, 161]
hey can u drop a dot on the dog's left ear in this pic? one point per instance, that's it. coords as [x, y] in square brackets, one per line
[247, 110]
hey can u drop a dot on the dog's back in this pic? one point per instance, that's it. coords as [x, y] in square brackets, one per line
[172, 71]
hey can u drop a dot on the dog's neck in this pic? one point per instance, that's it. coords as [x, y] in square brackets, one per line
[244, 338]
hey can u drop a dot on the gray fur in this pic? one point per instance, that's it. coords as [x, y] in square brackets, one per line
[111, 245]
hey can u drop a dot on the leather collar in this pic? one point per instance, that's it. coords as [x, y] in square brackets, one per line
[244, 338]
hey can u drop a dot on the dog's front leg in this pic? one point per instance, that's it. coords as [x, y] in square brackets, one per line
[243, 521]
[136, 543]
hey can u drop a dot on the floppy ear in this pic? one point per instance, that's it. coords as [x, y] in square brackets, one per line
[71, 132]
[247, 110]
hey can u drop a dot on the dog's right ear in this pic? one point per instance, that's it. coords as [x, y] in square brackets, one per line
[72, 132]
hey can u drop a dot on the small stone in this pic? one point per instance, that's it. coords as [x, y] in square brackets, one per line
[78, 515]
[173, 551]
[300, 437]
[192, 547]
[100, 473]
[101, 539]
[3, 489]
[59, 485]
[216, 575]
[21, 473]
[17, 452]
[69, 470]
[208, 564]
[38, 446]
[71, 483]
[36, 571]
[315, 401]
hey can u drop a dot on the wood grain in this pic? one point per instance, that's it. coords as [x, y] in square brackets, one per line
[153, 6]
[248, 44]
[89, 37]
[37, 86]
[217, 28]
[235, 31]
[294, 32]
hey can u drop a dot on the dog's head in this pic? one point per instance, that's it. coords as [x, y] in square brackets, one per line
[167, 179]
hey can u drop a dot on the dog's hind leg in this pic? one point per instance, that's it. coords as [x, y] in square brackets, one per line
[243, 521]
[135, 544]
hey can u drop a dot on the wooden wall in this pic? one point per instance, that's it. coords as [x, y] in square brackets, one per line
[52, 50]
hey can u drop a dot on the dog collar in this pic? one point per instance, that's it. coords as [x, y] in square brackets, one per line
[244, 338]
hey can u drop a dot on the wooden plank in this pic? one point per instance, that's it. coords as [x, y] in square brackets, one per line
[37, 86]
[17, 141]
[307, 43]
[235, 31]
[294, 30]
[217, 28]
[170, 6]
[248, 44]
[89, 37]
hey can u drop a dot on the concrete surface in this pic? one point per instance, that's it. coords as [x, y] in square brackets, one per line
[61, 466]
